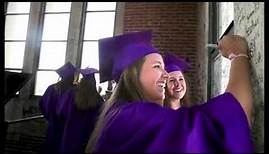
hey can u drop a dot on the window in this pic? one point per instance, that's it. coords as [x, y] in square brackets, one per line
[221, 24]
[100, 17]
[17, 16]
[226, 17]
[56, 37]
[53, 44]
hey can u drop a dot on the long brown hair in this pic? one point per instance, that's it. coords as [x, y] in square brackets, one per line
[86, 95]
[64, 84]
[186, 100]
[128, 89]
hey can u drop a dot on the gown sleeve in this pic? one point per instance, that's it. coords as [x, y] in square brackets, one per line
[48, 101]
[216, 126]
[228, 116]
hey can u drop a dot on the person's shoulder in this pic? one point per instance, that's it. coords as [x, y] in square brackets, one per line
[139, 113]
[223, 106]
[224, 98]
[142, 108]
[51, 87]
[50, 90]
[72, 89]
[218, 99]
[143, 105]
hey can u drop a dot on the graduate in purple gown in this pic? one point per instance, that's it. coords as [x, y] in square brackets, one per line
[48, 103]
[134, 119]
[78, 110]
[176, 94]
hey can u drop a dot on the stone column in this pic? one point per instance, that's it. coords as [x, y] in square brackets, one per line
[249, 22]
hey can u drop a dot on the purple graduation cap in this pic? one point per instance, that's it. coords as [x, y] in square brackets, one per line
[173, 63]
[88, 72]
[118, 52]
[66, 70]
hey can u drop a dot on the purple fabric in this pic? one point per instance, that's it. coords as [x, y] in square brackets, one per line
[174, 63]
[66, 70]
[118, 52]
[219, 125]
[47, 104]
[78, 125]
[48, 99]
[88, 72]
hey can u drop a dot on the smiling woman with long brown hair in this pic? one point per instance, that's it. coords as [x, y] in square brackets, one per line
[134, 119]
[176, 94]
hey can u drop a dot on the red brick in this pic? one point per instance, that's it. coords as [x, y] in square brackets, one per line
[175, 29]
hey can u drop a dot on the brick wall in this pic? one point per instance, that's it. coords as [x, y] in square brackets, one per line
[174, 26]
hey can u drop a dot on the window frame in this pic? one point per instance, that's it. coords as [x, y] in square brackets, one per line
[34, 39]
[214, 35]
[119, 7]
[11, 14]
[37, 69]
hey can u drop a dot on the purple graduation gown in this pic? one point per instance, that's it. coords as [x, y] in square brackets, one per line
[47, 104]
[78, 125]
[220, 125]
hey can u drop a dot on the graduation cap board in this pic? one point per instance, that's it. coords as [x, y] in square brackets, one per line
[174, 63]
[66, 71]
[118, 52]
[88, 73]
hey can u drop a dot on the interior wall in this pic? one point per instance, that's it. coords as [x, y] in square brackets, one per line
[175, 29]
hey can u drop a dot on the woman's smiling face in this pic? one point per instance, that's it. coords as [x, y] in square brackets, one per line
[153, 78]
[176, 85]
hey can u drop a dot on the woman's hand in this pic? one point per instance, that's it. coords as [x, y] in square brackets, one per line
[232, 44]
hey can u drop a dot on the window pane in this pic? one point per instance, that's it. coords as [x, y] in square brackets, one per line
[103, 85]
[226, 16]
[97, 6]
[52, 55]
[18, 7]
[16, 27]
[55, 27]
[14, 53]
[43, 80]
[90, 55]
[58, 6]
[225, 67]
[99, 25]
